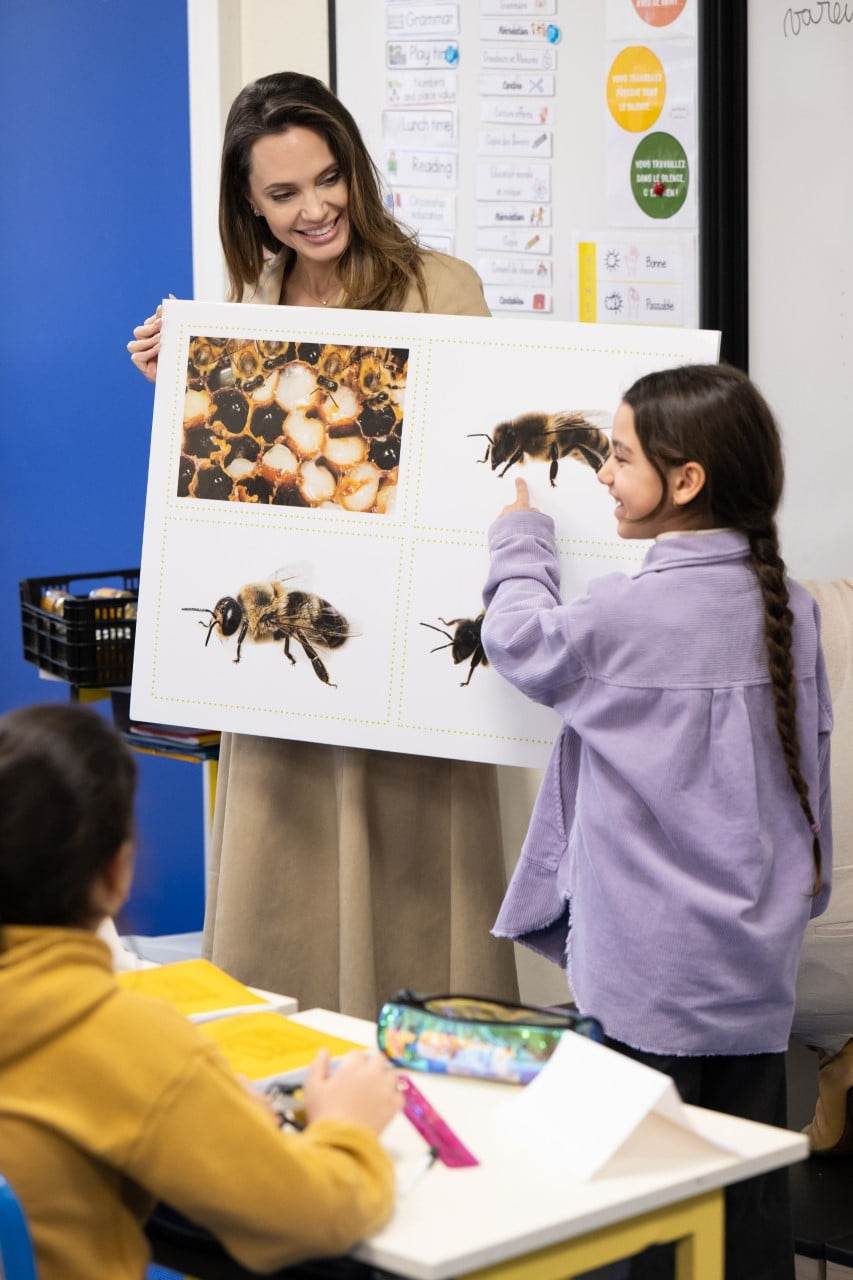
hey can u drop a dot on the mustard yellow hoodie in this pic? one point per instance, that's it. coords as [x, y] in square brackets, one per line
[110, 1101]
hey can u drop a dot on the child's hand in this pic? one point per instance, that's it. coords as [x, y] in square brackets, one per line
[362, 1090]
[262, 1101]
[522, 499]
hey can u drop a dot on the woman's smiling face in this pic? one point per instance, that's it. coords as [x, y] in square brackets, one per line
[297, 185]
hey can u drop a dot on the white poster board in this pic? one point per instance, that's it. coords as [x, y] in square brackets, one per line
[317, 485]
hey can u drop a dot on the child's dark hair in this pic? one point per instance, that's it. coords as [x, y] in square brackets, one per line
[67, 782]
[714, 415]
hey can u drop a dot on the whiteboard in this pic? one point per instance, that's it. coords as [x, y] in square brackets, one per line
[579, 159]
[801, 266]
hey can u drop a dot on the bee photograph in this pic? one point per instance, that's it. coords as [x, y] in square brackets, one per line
[552, 427]
[274, 610]
[448, 682]
[463, 640]
[293, 424]
[548, 437]
[250, 641]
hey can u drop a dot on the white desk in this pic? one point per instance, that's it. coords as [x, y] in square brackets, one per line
[505, 1220]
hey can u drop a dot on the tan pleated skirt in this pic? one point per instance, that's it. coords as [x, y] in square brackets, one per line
[339, 876]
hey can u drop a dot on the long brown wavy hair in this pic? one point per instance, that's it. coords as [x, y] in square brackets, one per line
[380, 262]
[714, 415]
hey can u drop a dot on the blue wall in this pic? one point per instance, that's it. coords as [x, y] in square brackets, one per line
[95, 230]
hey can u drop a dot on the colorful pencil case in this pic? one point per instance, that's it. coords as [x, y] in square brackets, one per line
[467, 1036]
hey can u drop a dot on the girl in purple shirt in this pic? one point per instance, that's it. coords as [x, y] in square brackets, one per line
[680, 841]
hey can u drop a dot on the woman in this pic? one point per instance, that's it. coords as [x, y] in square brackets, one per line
[339, 875]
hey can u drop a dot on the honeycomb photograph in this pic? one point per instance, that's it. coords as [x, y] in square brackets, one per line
[293, 424]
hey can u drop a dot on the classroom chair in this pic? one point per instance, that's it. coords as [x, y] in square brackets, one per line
[17, 1260]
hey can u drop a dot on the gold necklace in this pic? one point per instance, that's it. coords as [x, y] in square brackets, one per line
[316, 297]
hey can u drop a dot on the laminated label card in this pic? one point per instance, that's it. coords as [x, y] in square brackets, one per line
[320, 486]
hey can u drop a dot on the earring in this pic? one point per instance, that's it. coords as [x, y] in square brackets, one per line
[255, 211]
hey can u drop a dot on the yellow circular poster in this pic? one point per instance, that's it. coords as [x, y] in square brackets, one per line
[636, 88]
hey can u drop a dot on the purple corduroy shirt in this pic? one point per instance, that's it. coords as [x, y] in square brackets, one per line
[668, 863]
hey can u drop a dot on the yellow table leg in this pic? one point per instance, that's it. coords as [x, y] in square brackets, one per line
[211, 769]
[696, 1227]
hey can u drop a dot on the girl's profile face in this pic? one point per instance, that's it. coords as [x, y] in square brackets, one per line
[632, 481]
[295, 182]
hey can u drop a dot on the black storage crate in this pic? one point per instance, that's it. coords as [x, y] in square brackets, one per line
[90, 644]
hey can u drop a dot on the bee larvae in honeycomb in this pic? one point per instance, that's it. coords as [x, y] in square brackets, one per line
[359, 487]
[340, 406]
[265, 392]
[386, 499]
[197, 405]
[241, 457]
[345, 451]
[305, 435]
[287, 494]
[253, 489]
[186, 471]
[267, 422]
[220, 376]
[316, 482]
[231, 408]
[385, 453]
[296, 385]
[201, 442]
[377, 419]
[212, 482]
[279, 460]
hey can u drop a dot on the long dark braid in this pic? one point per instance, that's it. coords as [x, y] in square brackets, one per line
[714, 415]
[778, 619]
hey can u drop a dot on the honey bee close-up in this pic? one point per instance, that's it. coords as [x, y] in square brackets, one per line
[547, 436]
[269, 610]
[464, 643]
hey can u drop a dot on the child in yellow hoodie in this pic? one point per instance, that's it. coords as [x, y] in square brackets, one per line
[110, 1101]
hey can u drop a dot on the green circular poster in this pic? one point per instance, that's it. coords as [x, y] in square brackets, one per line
[660, 175]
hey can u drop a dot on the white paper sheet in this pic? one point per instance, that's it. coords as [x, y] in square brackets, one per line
[421, 54]
[513, 180]
[517, 84]
[513, 215]
[514, 29]
[503, 8]
[518, 57]
[421, 88]
[420, 129]
[420, 168]
[436, 19]
[509, 297]
[513, 140]
[517, 111]
[524, 269]
[513, 240]
[584, 1105]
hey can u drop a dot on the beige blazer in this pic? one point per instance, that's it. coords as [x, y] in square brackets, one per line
[453, 287]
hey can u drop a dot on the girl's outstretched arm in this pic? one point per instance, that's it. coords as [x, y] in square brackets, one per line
[527, 632]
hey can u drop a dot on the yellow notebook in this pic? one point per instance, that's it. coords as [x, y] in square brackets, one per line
[268, 1046]
[196, 988]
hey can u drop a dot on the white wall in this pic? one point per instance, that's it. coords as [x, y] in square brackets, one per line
[801, 269]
